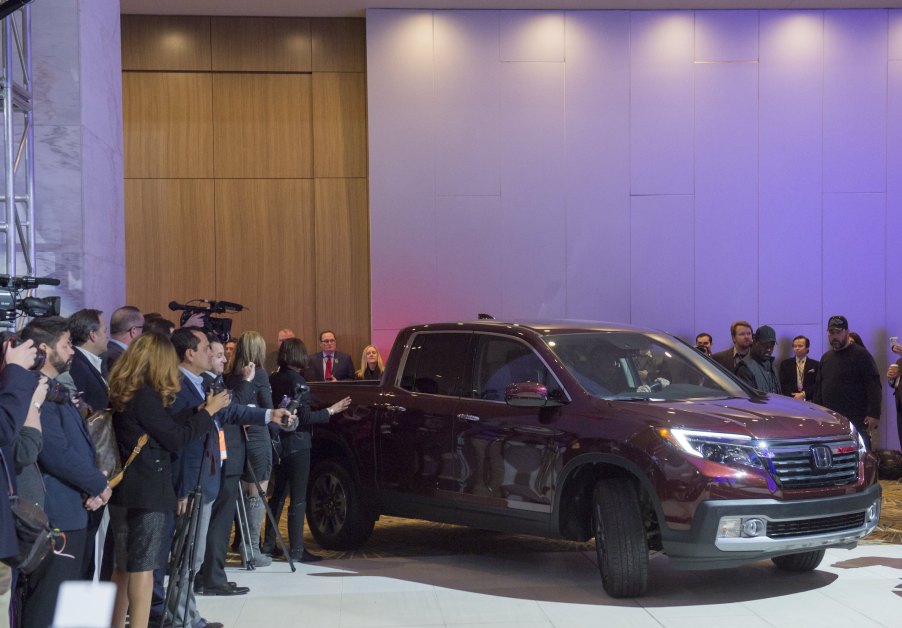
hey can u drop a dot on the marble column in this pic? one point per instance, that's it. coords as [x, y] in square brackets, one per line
[79, 215]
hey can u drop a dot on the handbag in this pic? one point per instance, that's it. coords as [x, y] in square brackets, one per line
[33, 532]
[100, 427]
[116, 479]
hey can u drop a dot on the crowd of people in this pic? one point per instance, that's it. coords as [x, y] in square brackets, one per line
[206, 425]
[196, 423]
[846, 378]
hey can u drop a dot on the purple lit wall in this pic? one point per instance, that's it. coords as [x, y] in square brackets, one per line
[678, 170]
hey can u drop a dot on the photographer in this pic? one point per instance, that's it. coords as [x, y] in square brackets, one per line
[17, 388]
[294, 470]
[72, 481]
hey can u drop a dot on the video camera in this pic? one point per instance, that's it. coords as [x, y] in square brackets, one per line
[300, 396]
[220, 327]
[11, 300]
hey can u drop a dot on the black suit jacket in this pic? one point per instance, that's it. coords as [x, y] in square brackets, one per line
[724, 358]
[16, 388]
[342, 367]
[112, 353]
[788, 377]
[89, 381]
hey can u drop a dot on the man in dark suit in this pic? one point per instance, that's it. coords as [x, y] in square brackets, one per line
[732, 358]
[17, 387]
[69, 473]
[798, 373]
[894, 375]
[126, 324]
[330, 365]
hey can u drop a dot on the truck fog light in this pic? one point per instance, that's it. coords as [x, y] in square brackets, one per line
[730, 528]
[872, 513]
[753, 527]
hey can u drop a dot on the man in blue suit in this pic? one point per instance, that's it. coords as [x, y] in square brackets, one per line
[73, 483]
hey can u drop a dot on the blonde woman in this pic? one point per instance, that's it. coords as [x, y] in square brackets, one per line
[248, 380]
[143, 384]
[371, 366]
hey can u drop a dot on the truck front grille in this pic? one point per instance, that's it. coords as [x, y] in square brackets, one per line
[821, 525]
[797, 464]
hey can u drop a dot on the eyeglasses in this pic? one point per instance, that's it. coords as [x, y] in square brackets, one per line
[141, 327]
[329, 341]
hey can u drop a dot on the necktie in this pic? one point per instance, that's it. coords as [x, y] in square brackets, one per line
[800, 374]
[328, 367]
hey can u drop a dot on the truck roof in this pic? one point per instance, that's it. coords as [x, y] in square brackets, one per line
[540, 327]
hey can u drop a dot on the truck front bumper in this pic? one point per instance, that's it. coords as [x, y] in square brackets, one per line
[726, 533]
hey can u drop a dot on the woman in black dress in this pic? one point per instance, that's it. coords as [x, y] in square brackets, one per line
[294, 468]
[143, 385]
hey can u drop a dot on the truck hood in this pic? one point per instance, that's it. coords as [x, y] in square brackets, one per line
[770, 417]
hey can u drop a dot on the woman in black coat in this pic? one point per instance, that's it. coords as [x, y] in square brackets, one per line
[143, 384]
[293, 471]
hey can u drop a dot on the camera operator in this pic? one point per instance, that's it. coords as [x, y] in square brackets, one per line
[72, 481]
[17, 389]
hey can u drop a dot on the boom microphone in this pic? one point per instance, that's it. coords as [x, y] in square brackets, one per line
[175, 306]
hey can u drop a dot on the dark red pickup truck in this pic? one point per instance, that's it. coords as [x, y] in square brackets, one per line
[573, 430]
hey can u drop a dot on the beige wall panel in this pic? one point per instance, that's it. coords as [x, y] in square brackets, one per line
[263, 125]
[157, 42]
[169, 246]
[167, 125]
[343, 263]
[339, 45]
[264, 235]
[339, 124]
[261, 44]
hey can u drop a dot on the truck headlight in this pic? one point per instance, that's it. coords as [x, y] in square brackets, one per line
[862, 448]
[728, 449]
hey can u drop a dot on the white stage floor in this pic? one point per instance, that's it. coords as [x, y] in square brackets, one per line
[859, 588]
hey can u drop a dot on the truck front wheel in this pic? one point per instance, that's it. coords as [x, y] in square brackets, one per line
[334, 511]
[805, 561]
[620, 538]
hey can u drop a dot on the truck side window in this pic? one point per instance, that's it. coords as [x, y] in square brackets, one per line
[500, 362]
[435, 362]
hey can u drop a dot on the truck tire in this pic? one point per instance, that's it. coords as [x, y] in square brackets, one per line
[620, 538]
[805, 561]
[335, 513]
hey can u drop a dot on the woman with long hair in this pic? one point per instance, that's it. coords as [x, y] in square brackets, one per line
[247, 379]
[143, 384]
[294, 468]
[371, 366]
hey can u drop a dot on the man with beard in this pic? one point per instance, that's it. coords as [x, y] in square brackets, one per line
[848, 381]
[732, 358]
[69, 473]
[760, 361]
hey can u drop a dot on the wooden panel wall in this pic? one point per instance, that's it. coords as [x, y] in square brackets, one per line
[246, 170]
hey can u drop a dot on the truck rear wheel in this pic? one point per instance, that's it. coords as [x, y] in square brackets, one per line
[806, 561]
[335, 513]
[620, 538]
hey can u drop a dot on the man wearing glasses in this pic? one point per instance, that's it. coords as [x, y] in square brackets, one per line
[126, 324]
[330, 365]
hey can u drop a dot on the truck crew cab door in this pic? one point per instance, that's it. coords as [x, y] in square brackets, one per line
[414, 430]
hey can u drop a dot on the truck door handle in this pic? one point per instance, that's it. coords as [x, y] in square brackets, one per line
[472, 418]
[392, 408]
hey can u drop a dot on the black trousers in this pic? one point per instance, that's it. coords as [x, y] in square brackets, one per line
[42, 587]
[291, 479]
[213, 569]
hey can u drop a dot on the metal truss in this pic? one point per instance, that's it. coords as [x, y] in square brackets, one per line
[16, 101]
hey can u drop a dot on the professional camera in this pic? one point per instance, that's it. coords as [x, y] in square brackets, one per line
[220, 327]
[12, 301]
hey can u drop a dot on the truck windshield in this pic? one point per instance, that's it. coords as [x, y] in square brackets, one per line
[621, 365]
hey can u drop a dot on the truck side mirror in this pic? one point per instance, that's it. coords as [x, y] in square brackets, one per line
[528, 395]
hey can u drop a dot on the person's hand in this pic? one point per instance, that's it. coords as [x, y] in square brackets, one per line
[24, 354]
[799, 395]
[282, 417]
[340, 406]
[40, 393]
[93, 503]
[897, 349]
[217, 402]
[248, 371]
[182, 507]
[893, 371]
[871, 423]
[195, 320]
[106, 494]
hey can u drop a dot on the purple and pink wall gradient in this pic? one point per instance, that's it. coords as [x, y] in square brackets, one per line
[678, 170]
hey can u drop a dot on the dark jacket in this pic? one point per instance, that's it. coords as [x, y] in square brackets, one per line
[342, 367]
[67, 461]
[148, 482]
[112, 353]
[89, 382]
[254, 393]
[283, 383]
[760, 374]
[788, 377]
[16, 388]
